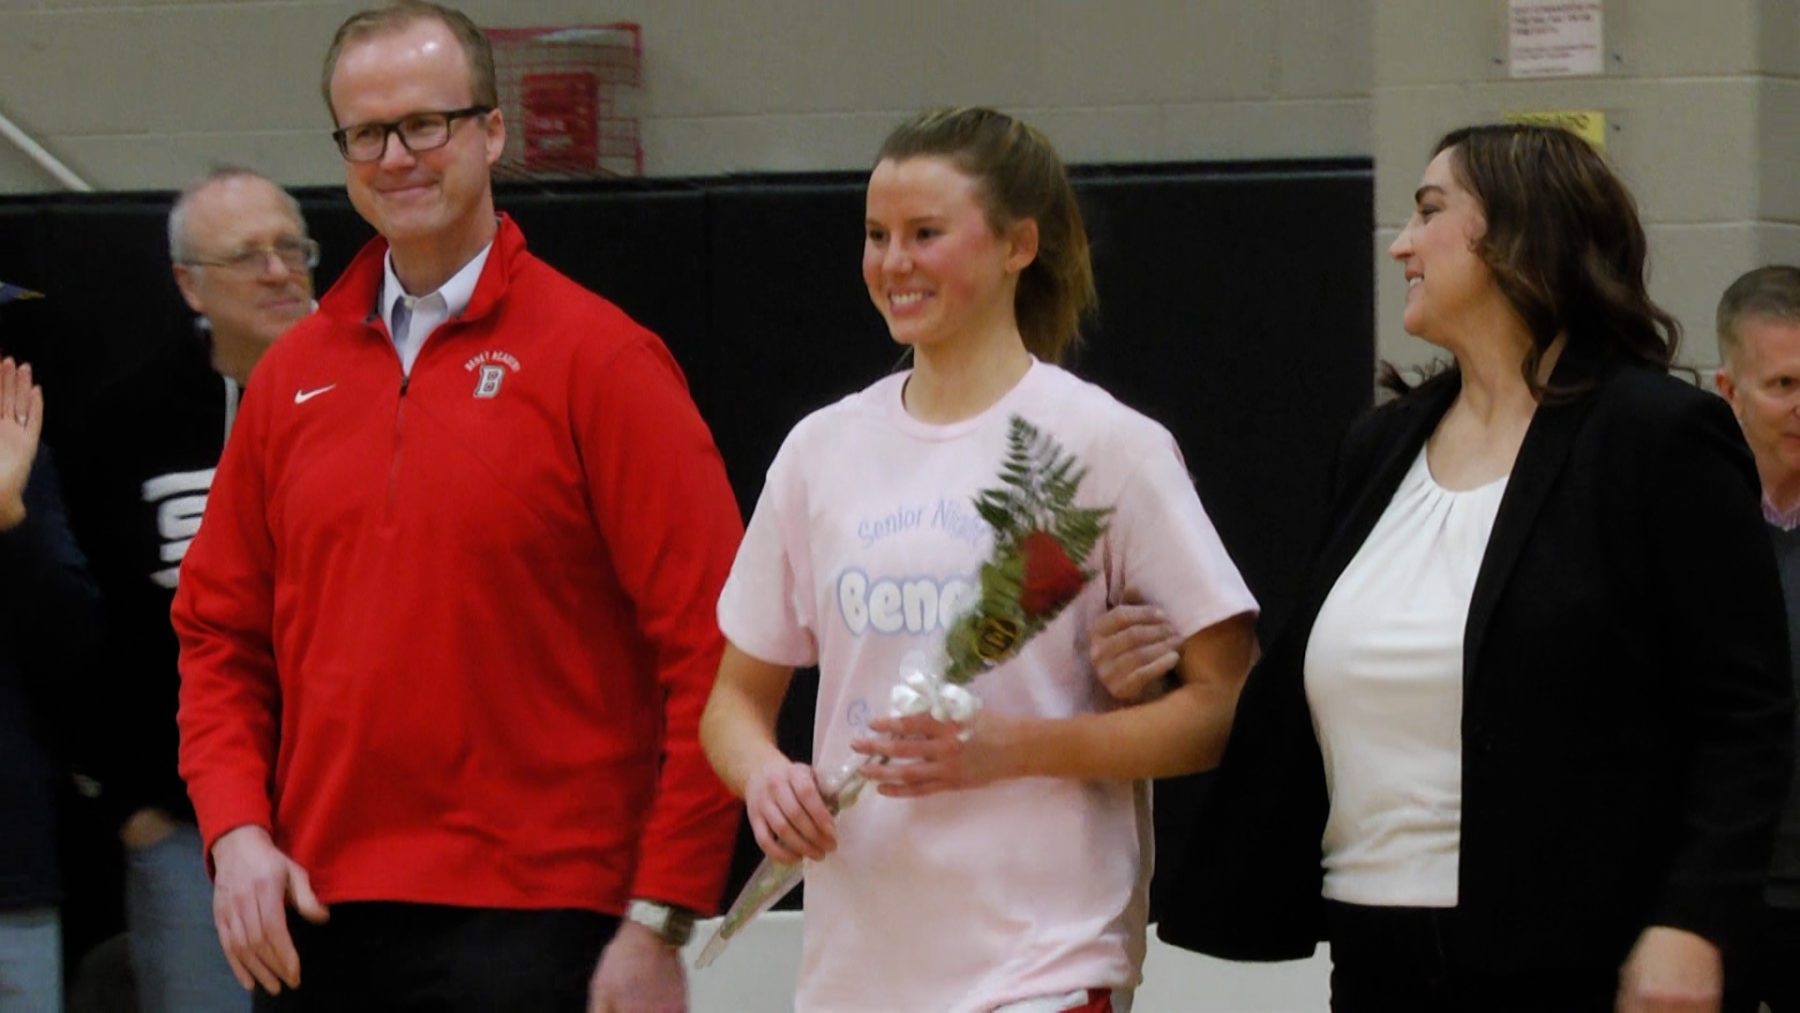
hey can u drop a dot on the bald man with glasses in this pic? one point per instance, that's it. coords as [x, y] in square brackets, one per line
[243, 262]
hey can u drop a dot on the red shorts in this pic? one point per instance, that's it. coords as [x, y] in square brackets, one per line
[1094, 1000]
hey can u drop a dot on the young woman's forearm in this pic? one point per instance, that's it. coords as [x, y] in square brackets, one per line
[1180, 733]
[737, 729]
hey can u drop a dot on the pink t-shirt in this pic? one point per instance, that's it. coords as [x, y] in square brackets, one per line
[864, 545]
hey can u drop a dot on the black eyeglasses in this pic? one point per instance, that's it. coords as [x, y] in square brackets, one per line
[294, 254]
[367, 142]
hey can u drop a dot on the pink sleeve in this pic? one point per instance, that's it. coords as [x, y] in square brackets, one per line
[767, 608]
[1166, 548]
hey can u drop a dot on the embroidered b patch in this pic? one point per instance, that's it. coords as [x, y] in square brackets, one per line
[487, 384]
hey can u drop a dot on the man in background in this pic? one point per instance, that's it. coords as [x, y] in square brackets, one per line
[243, 262]
[447, 629]
[1759, 347]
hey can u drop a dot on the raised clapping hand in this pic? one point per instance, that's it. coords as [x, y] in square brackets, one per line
[1132, 646]
[787, 812]
[21, 423]
[935, 755]
[1671, 971]
[252, 887]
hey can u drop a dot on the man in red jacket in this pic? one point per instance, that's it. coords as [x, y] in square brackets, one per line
[447, 627]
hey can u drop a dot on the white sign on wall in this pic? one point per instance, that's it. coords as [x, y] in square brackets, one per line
[1554, 38]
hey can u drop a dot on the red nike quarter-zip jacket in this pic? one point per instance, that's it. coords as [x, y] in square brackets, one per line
[448, 637]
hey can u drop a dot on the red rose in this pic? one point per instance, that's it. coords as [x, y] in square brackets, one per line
[1051, 577]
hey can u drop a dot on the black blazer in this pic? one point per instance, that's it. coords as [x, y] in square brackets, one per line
[1627, 703]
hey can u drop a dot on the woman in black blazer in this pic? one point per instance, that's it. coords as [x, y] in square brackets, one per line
[1580, 777]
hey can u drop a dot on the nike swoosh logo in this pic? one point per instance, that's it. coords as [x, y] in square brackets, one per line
[303, 396]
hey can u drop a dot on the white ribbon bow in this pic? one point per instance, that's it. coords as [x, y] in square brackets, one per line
[922, 690]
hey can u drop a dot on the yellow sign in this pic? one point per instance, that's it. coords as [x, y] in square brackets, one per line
[1587, 124]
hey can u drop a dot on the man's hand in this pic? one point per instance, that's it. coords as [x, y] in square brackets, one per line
[638, 973]
[253, 885]
[1671, 970]
[1132, 646]
[21, 422]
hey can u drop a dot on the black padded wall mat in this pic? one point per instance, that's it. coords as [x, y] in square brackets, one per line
[1236, 307]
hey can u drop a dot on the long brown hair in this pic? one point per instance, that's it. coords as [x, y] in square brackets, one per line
[1018, 176]
[1564, 244]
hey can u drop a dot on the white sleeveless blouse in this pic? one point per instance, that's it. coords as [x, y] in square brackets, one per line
[1384, 679]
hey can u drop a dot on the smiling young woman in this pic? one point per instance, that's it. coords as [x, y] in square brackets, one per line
[976, 257]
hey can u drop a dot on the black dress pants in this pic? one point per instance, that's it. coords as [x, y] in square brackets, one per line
[427, 957]
[1406, 960]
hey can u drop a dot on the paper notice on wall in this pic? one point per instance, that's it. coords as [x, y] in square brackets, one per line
[1554, 38]
[1587, 124]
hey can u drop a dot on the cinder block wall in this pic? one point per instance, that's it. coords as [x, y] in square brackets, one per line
[1703, 96]
[1703, 109]
[142, 94]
